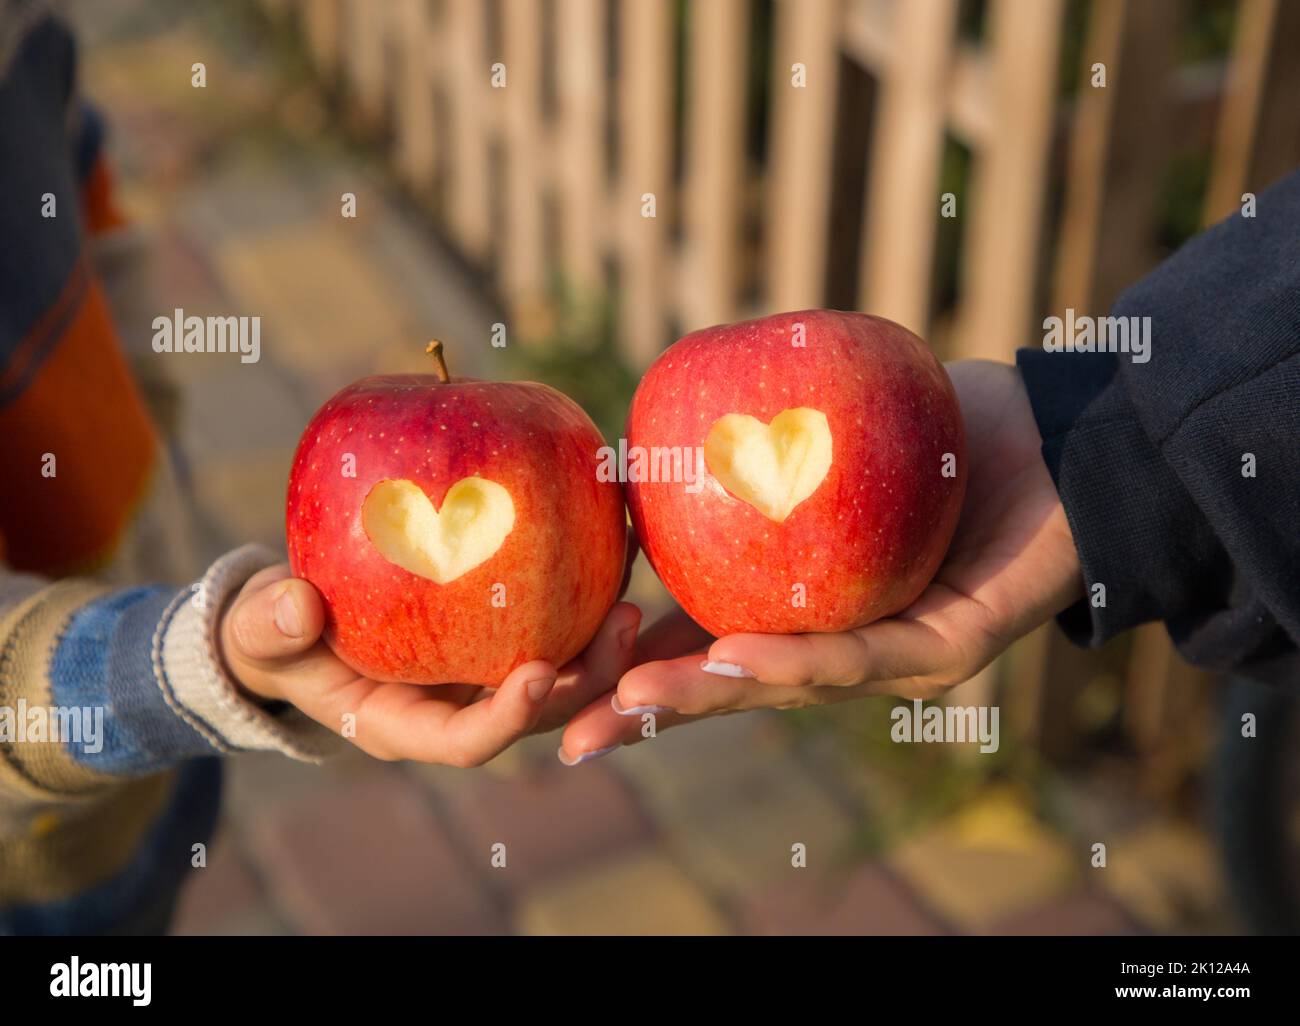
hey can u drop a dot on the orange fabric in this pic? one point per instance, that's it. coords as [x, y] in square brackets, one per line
[98, 208]
[83, 407]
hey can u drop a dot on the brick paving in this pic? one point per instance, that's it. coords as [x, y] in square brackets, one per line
[1166, 874]
[1079, 914]
[546, 822]
[224, 893]
[989, 861]
[693, 832]
[645, 893]
[366, 858]
[868, 901]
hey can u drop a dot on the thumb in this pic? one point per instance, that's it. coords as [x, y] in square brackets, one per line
[275, 616]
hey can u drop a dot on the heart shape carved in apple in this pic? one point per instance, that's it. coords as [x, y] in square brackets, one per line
[775, 466]
[439, 545]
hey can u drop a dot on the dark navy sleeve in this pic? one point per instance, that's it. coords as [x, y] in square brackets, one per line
[1180, 476]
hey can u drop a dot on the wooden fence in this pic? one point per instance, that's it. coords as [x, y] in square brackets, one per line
[540, 131]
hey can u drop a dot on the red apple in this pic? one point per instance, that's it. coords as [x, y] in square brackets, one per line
[455, 528]
[833, 469]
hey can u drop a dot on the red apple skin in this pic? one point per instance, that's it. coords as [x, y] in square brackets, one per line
[869, 539]
[561, 564]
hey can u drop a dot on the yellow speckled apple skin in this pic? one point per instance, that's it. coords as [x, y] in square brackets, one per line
[540, 594]
[872, 533]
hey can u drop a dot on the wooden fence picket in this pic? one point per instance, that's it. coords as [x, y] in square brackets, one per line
[579, 156]
[899, 234]
[713, 194]
[1000, 265]
[646, 93]
[798, 187]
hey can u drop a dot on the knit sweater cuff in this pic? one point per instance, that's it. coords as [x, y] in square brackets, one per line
[196, 684]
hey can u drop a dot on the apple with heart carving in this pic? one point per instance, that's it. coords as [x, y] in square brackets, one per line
[833, 471]
[455, 528]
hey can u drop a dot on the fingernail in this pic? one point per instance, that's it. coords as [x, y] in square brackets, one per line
[636, 710]
[626, 639]
[540, 688]
[287, 619]
[585, 756]
[725, 669]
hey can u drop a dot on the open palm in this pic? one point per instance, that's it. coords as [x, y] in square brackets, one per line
[1011, 565]
[269, 641]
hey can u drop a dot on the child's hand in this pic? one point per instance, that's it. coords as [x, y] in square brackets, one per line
[1011, 566]
[270, 642]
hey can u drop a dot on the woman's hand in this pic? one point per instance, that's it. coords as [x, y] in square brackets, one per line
[1011, 566]
[270, 640]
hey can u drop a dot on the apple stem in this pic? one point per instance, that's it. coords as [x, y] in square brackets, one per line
[434, 349]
